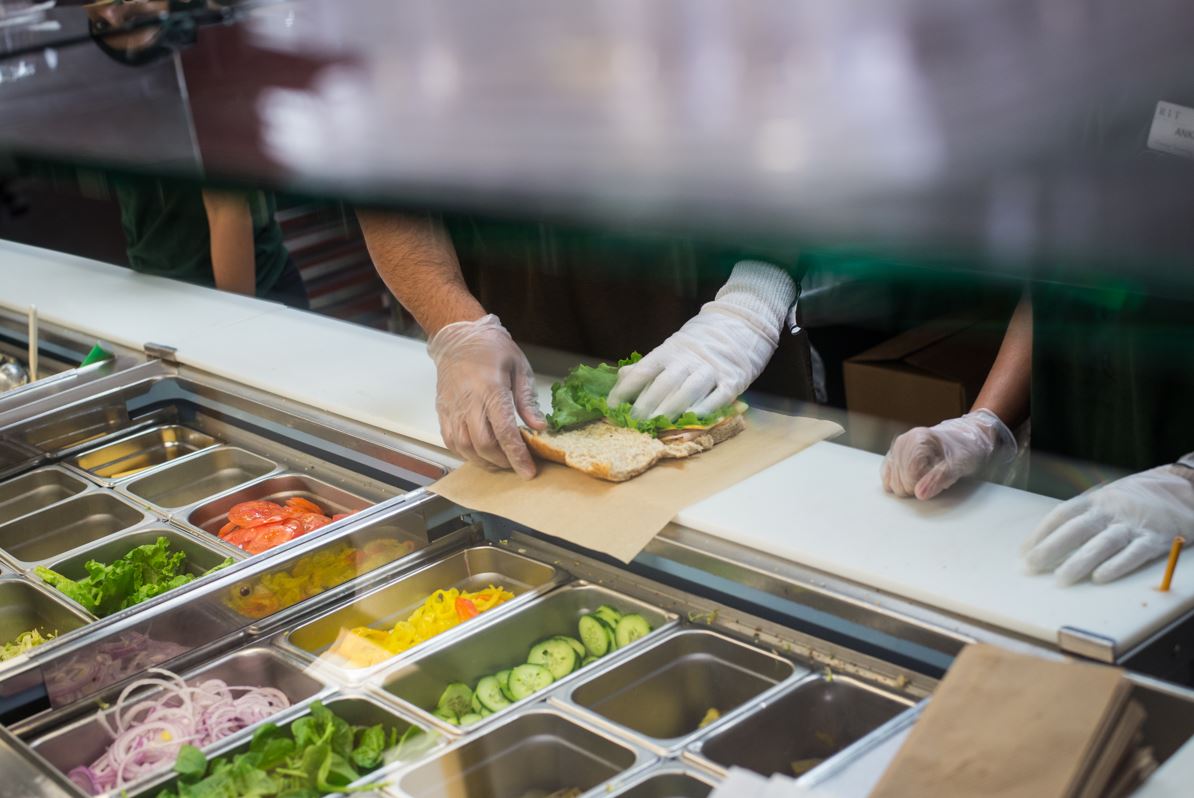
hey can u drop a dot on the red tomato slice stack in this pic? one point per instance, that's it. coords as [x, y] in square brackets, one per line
[258, 526]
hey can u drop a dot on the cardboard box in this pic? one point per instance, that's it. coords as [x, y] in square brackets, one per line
[926, 375]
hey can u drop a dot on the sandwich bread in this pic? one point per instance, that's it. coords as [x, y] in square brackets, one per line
[614, 453]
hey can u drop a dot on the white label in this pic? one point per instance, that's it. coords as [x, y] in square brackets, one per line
[1172, 130]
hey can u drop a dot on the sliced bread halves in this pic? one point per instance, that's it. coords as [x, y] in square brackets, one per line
[616, 453]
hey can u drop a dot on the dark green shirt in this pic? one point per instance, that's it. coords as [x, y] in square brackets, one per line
[165, 224]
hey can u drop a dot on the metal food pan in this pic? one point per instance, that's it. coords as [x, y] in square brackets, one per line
[85, 740]
[541, 750]
[137, 453]
[24, 606]
[668, 781]
[798, 730]
[359, 709]
[68, 525]
[472, 569]
[389, 540]
[663, 693]
[196, 477]
[36, 490]
[504, 643]
[211, 515]
[201, 556]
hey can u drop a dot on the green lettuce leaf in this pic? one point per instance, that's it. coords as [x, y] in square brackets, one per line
[582, 397]
[141, 574]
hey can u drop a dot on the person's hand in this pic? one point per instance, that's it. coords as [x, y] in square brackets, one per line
[1112, 530]
[926, 460]
[717, 354]
[484, 385]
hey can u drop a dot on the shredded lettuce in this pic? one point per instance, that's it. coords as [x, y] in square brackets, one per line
[582, 397]
[142, 573]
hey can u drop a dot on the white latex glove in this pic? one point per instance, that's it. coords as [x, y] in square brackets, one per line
[718, 353]
[926, 460]
[1113, 529]
[483, 385]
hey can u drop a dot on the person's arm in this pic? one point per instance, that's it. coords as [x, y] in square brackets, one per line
[416, 260]
[233, 257]
[484, 383]
[927, 460]
[1008, 385]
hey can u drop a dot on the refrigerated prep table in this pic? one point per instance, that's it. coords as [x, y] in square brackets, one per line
[803, 592]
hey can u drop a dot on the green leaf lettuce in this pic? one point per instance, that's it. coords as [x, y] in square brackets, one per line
[583, 397]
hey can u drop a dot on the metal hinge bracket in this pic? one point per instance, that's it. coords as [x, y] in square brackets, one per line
[162, 352]
[1082, 643]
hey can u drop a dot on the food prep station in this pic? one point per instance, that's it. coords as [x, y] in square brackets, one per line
[806, 673]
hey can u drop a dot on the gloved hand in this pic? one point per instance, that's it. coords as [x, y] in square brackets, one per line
[1113, 529]
[926, 460]
[718, 353]
[484, 384]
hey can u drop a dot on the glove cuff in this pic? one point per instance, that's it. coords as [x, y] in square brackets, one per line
[1003, 442]
[452, 335]
[758, 293]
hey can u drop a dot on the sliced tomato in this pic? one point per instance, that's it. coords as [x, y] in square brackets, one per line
[256, 513]
[338, 516]
[227, 528]
[267, 536]
[304, 505]
[312, 521]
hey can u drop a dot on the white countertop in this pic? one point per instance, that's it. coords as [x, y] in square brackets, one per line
[823, 507]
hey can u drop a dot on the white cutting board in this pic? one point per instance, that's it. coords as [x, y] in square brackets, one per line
[112, 303]
[826, 508]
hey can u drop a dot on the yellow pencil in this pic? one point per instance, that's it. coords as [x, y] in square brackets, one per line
[1174, 552]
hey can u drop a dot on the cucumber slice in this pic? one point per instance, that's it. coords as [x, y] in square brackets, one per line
[457, 698]
[446, 714]
[477, 705]
[528, 679]
[470, 719]
[609, 615]
[489, 695]
[503, 679]
[485, 713]
[587, 661]
[596, 636]
[555, 655]
[577, 646]
[631, 628]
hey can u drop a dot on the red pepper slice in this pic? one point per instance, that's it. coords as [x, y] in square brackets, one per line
[466, 609]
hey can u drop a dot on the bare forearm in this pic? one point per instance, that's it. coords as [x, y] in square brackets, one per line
[233, 259]
[415, 258]
[1007, 388]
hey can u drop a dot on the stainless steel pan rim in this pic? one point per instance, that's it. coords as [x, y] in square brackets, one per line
[143, 518]
[54, 599]
[695, 752]
[667, 767]
[350, 675]
[642, 758]
[132, 488]
[69, 479]
[408, 670]
[74, 465]
[567, 697]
